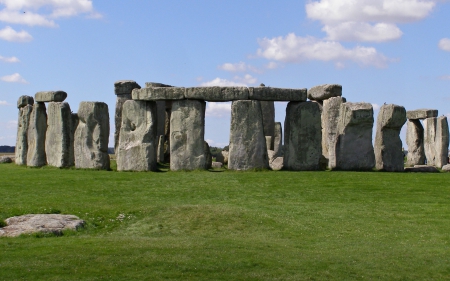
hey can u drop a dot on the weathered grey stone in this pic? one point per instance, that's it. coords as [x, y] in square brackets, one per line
[277, 164]
[219, 157]
[414, 140]
[187, 131]
[421, 113]
[354, 149]
[278, 139]
[216, 165]
[155, 84]
[24, 101]
[271, 155]
[124, 87]
[59, 138]
[22, 134]
[268, 142]
[268, 114]
[37, 129]
[388, 145]
[276, 94]
[441, 142]
[330, 119]
[159, 93]
[137, 141]
[323, 92]
[302, 136]
[160, 149]
[422, 169]
[91, 136]
[429, 140]
[225, 155]
[44, 223]
[74, 123]
[5, 159]
[247, 142]
[446, 168]
[217, 93]
[48, 96]
[160, 117]
[208, 156]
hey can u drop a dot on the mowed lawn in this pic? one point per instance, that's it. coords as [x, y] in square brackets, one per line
[207, 225]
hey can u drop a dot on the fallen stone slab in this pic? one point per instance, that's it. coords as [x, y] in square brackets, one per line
[276, 94]
[48, 96]
[44, 223]
[217, 93]
[323, 92]
[421, 114]
[216, 165]
[159, 93]
[24, 101]
[5, 159]
[124, 87]
[422, 169]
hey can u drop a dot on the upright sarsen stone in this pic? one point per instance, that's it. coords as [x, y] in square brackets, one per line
[441, 142]
[330, 119]
[59, 137]
[268, 114]
[354, 149]
[302, 136]
[137, 141]
[247, 142]
[278, 140]
[414, 140]
[187, 133]
[37, 129]
[429, 137]
[388, 145]
[25, 105]
[91, 136]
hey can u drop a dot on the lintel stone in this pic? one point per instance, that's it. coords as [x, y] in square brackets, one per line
[24, 101]
[49, 96]
[421, 113]
[276, 94]
[123, 87]
[323, 92]
[217, 93]
[159, 93]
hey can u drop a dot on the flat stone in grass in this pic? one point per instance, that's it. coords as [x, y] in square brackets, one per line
[422, 169]
[44, 223]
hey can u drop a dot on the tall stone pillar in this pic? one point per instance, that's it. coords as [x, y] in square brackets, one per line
[429, 140]
[388, 145]
[247, 148]
[268, 115]
[122, 89]
[92, 136]
[441, 142]
[330, 118]
[187, 133]
[278, 140]
[302, 136]
[25, 106]
[37, 130]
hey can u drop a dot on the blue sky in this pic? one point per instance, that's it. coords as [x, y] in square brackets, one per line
[393, 51]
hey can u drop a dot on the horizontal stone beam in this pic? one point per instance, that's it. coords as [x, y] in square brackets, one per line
[49, 96]
[277, 94]
[159, 93]
[421, 113]
[217, 93]
[124, 87]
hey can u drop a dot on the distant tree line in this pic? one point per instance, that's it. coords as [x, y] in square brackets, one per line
[7, 149]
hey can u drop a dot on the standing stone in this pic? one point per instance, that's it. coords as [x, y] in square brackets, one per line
[160, 149]
[37, 129]
[442, 142]
[302, 137]
[429, 137]
[268, 142]
[268, 114]
[59, 139]
[187, 133]
[278, 139]
[247, 142]
[160, 117]
[388, 145]
[137, 141]
[25, 105]
[208, 156]
[414, 140]
[122, 89]
[330, 119]
[91, 136]
[74, 122]
[354, 149]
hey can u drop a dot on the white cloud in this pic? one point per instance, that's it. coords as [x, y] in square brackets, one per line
[213, 143]
[221, 82]
[272, 65]
[375, 106]
[444, 44]
[218, 109]
[30, 18]
[247, 79]
[296, 49]
[11, 35]
[10, 59]
[13, 78]
[3, 103]
[362, 32]
[239, 67]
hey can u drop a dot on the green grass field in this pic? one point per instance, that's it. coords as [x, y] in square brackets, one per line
[229, 225]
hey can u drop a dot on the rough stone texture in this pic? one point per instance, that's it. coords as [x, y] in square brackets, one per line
[217, 93]
[354, 149]
[271, 155]
[388, 145]
[45, 223]
[421, 113]
[277, 164]
[247, 142]
[429, 140]
[323, 92]
[446, 168]
[37, 129]
[187, 132]
[124, 87]
[5, 159]
[441, 142]
[220, 158]
[24, 101]
[160, 117]
[160, 149]
[208, 156]
[414, 140]
[48, 96]
[302, 136]
[225, 155]
[159, 93]
[91, 136]
[330, 119]
[268, 142]
[156, 84]
[276, 94]
[422, 169]
[59, 137]
[268, 114]
[22, 134]
[278, 139]
[137, 141]
[216, 165]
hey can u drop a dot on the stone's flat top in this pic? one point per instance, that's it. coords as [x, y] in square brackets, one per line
[421, 113]
[326, 91]
[156, 84]
[358, 105]
[49, 96]
[217, 93]
[124, 82]
[422, 169]
[277, 94]
[159, 93]
[24, 100]
[46, 223]
[123, 87]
